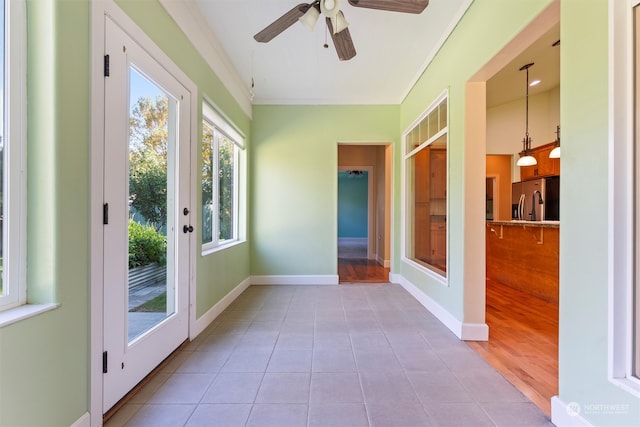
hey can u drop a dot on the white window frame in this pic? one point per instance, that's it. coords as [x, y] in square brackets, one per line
[622, 197]
[405, 224]
[14, 117]
[223, 127]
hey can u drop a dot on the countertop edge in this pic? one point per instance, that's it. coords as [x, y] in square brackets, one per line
[539, 224]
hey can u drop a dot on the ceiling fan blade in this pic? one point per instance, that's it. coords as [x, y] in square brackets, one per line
[282, 23]
[343, 43]
[406, 6]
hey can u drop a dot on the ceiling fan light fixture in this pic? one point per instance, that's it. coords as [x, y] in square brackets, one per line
[339, 23]
[330, 8]
[310, 18]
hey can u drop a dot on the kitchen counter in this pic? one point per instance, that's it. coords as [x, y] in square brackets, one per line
[525, 256]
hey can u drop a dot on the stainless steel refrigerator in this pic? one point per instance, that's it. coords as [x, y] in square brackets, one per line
[536, 199]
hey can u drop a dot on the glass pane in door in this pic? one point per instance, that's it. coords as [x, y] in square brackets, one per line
[151, 296]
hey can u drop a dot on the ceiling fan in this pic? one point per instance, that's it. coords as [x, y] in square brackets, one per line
[308, 14]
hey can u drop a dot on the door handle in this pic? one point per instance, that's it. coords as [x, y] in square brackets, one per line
[187, 229]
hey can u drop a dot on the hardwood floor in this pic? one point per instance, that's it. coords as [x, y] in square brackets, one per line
[361, 270]
[523, 342]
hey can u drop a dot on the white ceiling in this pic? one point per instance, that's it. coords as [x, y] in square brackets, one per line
[294, 68]
[393, 49]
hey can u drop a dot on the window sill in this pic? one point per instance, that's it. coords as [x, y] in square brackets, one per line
[22, 312]
[219, 248]
[429, 272]
[629, 384]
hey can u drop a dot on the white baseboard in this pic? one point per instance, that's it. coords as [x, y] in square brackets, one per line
[386, 263]
[84, 421]
[475, 332]
[205, 320]
[567, 415]
[295, 280]
[464, 331]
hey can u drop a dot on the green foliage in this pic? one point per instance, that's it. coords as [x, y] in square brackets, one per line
[217, 184]
[225, 190]
[148, 189]
[148, 129]
[146, 245]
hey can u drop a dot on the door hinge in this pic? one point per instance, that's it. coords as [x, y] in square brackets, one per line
[104, 362]
[106, 65]
[105, 213]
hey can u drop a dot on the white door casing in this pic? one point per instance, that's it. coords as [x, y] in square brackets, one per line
[130, 360]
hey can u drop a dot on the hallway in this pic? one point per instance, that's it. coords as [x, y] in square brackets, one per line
[359, 355]
[355, 267]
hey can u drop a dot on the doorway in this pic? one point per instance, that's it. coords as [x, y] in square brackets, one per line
[530, 363]
[363, 207]
[355, 188]
[146, 215]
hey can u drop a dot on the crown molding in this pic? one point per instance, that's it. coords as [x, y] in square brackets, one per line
[189, 19]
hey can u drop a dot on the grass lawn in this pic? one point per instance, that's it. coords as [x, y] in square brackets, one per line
[155, 305]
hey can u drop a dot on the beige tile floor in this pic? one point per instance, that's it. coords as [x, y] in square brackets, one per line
[349, 355]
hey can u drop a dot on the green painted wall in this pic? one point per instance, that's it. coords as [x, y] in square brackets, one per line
[584, 120]
[486, 27]
[584, 276]
[293, 197]
[44, 359]
[294, 184]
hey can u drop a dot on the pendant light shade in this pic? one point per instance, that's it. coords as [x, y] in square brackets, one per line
[330, 8]
[339, 23]
[527, 159]
[310, 18]
[555, 153]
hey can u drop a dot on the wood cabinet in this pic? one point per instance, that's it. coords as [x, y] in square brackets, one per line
[421, 175]
[438, 163]
[422, 243]
[545, 166]
[439, 243]
[430, 206]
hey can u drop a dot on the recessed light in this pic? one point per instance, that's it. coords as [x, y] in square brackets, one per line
[534, 83]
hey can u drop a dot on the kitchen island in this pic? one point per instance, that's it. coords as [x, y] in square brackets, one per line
[525, 256]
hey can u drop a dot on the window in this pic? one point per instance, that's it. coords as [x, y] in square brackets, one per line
[12, 141]
[624, 223]
[426, 185]
[636, 283]
[221, 145]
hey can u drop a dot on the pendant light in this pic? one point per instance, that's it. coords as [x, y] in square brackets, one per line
[527, 159]
[555, 153]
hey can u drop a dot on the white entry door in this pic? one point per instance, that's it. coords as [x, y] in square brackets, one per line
[147, 227]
